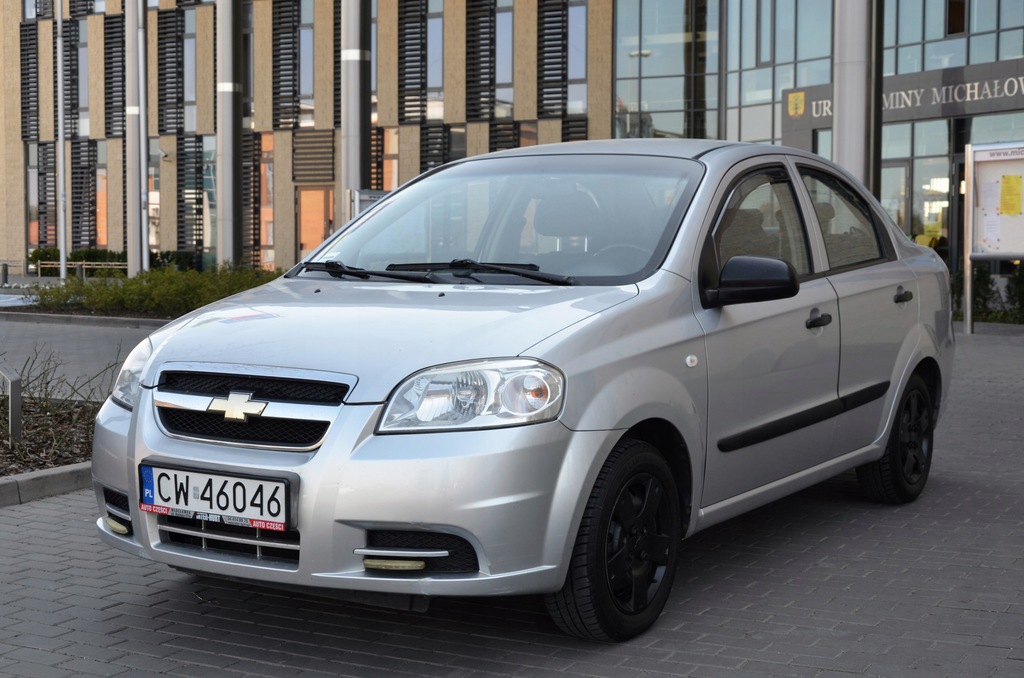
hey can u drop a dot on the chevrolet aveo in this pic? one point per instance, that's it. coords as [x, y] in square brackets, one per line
[536, 372]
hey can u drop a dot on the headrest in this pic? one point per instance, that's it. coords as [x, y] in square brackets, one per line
[567, 214]
[824, 210]
[749, 218]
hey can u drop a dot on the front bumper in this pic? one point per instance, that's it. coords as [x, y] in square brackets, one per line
[509, 498]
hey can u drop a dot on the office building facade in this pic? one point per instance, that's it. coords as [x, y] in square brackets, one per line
[451, 78]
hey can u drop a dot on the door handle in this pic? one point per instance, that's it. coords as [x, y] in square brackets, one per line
[902, 295]
[818, 321]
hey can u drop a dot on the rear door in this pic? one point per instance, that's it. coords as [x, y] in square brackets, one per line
[772, 366]
[878, 301]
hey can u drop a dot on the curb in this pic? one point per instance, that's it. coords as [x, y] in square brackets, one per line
[25, 487]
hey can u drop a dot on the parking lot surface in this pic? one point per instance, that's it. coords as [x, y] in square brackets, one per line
[823, 583]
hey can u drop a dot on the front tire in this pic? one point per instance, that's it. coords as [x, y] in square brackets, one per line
[902, 472]
[624, 558]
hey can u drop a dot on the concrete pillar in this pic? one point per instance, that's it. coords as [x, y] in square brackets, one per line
[857, 89]
[355, 101]
[229, 159]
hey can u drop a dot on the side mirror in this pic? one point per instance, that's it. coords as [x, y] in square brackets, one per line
[749, 279]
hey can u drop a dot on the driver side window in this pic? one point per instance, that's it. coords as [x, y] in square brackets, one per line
[761, 219]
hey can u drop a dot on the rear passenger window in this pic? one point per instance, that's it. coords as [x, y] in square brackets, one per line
[844, 218]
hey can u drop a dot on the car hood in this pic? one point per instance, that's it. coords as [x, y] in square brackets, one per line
[378, 333]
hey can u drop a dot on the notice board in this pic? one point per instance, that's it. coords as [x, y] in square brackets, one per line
[995, 212]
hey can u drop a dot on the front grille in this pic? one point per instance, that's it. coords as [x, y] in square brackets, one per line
[271, 548]
[295, 414]
[262, 388]
[255, 431]
[461, 554]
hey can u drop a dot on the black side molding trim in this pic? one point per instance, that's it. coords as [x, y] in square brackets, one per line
[795, 422]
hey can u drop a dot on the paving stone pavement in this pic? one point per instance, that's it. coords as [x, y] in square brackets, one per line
[823, 583]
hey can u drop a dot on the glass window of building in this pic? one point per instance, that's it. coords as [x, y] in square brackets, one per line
[83, 79]
[435, 60]
[306, 60]
[503, 60]
[210, 257]
[1011, 45]
[247, 66]
[267, 201]
[101, 194]
[32, 191]
[189, 70]
[153, 197]
[773, 46]
[666, 62]
[577, 57]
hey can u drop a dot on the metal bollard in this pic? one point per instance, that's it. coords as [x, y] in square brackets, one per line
[80, 271]
[3, 274]
[13, 380]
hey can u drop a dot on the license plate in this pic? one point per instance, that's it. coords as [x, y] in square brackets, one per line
[233, 500]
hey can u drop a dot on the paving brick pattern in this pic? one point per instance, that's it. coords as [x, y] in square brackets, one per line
[822, 584]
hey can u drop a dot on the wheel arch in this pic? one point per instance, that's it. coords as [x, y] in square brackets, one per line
[670, 443]
[928, 369]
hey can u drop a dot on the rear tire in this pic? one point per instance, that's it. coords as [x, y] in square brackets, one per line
[902, 472]
[624, 558]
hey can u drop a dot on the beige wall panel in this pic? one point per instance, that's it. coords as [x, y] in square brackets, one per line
[285, 249]
[408, 153]
[263, 55]
[549, 131]
[151, 72]
[206, 57]
[323, 64]
[478, 138]
[168, 234]
[12, 150]
[600, 81]
[97, 101]
[387, 64]
[47, 102]
[454, 61]
[524, 75]
[168, 4]
[115, 195]
[114, 7]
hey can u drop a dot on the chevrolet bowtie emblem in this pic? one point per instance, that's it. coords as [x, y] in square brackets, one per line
[238, 406]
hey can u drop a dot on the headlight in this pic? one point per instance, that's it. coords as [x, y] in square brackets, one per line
[484, 394]
[126, 388]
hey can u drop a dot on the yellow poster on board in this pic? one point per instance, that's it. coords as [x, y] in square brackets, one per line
[1010, 195]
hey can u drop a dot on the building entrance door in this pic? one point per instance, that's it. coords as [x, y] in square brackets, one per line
[893, 193]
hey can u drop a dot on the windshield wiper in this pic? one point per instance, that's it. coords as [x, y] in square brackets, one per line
[339, 270]
[529, 271]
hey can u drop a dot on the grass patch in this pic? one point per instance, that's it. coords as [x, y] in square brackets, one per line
[57, 415]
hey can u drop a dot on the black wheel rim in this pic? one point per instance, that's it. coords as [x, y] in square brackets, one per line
[639, 543]
[915, 437]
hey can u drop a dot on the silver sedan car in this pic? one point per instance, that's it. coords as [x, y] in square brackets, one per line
[536, 372]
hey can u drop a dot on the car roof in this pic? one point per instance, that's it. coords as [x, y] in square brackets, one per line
[676, 148]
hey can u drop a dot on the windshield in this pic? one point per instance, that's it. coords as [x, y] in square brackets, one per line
[592, 218]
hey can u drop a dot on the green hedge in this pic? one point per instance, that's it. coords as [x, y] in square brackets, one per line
[988, 304]
[159, 292]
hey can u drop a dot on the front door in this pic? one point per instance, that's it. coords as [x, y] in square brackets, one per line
[772, 366]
